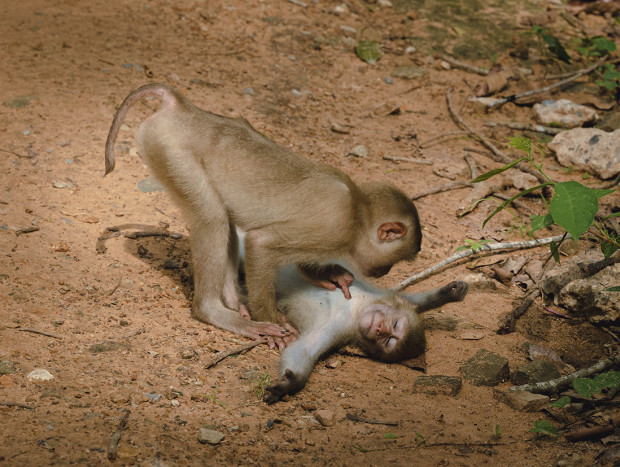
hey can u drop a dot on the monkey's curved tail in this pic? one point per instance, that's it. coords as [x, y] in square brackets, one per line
[167, 94]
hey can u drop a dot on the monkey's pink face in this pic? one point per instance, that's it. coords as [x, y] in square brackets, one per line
[381, 329]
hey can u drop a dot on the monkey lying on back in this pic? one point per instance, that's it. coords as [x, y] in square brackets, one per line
[384, 324]
[224, 174]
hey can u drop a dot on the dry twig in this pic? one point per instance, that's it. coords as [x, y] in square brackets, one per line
[116, 437]
[34, 331]
[500, 246]
[464, 66]
[407, 159]
[17, 404]
[579, 74]
[440, 189]
[555, 385]
[527, 127]
[497, 155]
[237, 350]
[357, 418]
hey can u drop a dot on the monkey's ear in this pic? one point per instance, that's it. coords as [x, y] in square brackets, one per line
[389, 231]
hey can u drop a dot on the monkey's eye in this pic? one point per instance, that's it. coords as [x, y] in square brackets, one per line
[390, 343]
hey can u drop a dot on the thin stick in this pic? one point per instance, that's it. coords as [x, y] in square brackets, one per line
[554, 385]
[498, 156]
[116, 437]
[437, 139]
[473, 168]
[357, 418]
[16, 404]
[407, 159]
[464, 66]
[466, 253]
[237, 350]
[527, 127]
[579, 74]
[509, 320]
[146, 233]
[26, 230]
[440, 189]
[34, 331]
[118, 284]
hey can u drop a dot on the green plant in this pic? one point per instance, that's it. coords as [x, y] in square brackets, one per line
[472, 244]
[544, 427]
[586, 387]
[261, 384]
[214, 398]
[573, 206]
[596, 46]
[389, 435]
[553, 43]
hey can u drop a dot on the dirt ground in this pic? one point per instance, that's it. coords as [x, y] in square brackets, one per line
[114, 311]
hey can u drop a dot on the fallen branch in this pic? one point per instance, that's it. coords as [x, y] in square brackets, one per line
[527, 127]
[508, 321]
[555, 385]
[357, 418]
[464, 66]
[116, 437]
[466, 253]
[595, 432]
[439, 138]
[407, 159]
[441, 189]
[498, 156]
[473, 168]
[579, 74]
[17, 404]
[34, 331]
[146, 233]
[26, 230]
[237, 350]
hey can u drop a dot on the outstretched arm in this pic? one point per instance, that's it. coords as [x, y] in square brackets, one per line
[453, 292]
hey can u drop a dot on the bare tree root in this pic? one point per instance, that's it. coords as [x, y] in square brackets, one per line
[494, 247]
[555, 385]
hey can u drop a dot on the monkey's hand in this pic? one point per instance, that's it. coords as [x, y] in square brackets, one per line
[289, 384]
[329, 277]
[281, 341]
[455, 291]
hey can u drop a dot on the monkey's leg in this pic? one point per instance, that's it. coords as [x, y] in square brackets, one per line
[261, 270]
[231, 291]
[453, 292]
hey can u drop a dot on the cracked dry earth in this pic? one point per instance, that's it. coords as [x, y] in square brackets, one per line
[114, 311]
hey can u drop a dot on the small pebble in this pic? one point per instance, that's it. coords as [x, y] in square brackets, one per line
[389, 80]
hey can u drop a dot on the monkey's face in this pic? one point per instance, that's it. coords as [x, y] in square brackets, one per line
[381, 329]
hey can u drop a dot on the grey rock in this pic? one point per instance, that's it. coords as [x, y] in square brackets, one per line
[408, 72]
[609, 122]
[564, 112]
[534, 372]
[207, 436]
[108, 346]
[438, 385]
[486, 369]
[18, 102]
[358, 151]
[153, 397]
[5, 368]
[39, 374]
[149, 185]
[589, 149]
[521, 400]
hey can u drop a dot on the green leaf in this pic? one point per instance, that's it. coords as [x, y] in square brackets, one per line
[615, 214]
[610, 379]
[586, 387]
[555, 251]
[545, 427]
[540, 222]
[600, 193]
[615, 288]
[603, 44]
[561, 402]
[369, 51]
[510, 200]
[522, 143]
[497, 431]
[609, 248]
[573, 207]
[556, 47]
[491, 173]
[389, 435]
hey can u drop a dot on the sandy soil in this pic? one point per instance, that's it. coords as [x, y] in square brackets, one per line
[116, 314]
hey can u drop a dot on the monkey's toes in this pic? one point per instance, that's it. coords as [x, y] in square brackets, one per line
[456, 290]
[273, 394]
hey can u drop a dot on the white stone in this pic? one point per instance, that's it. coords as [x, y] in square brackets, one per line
[590, 149]
[39, 374]
[564, 112]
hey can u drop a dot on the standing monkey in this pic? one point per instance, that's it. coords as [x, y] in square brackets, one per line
[224, 174]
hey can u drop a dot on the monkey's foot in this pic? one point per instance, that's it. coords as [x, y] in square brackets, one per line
[289, 384]
[455, 291]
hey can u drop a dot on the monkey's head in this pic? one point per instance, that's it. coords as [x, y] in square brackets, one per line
[390, 330]
[393, 231]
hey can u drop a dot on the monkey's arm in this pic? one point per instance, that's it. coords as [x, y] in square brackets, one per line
[298, 360]
[453, 292]
[330, 277]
